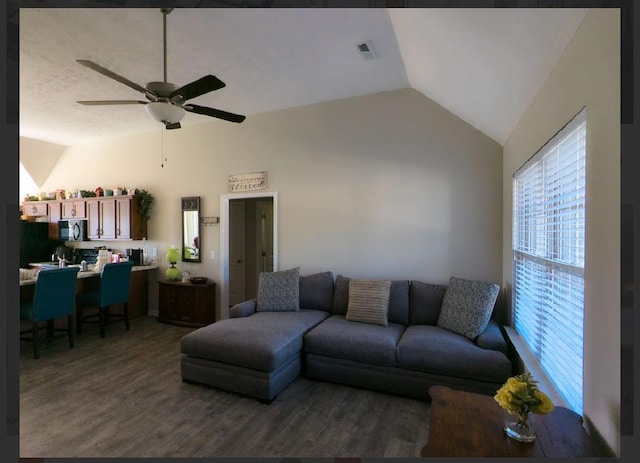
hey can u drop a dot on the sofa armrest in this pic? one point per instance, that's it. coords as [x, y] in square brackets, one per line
[492, 338]
[243, 309]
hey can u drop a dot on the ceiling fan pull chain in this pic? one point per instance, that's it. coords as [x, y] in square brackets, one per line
[162, 158]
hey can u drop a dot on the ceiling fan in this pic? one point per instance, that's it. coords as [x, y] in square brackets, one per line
[166, 102]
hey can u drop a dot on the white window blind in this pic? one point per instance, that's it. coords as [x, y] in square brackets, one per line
[548, 257]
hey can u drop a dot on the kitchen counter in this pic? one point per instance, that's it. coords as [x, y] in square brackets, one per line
[90, 280]
[93, 273]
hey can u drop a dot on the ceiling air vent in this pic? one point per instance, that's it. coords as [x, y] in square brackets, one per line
[365, 51]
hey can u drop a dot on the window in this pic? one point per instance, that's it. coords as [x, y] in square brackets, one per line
[548, 257]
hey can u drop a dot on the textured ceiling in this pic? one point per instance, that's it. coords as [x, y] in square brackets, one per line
[483, 65]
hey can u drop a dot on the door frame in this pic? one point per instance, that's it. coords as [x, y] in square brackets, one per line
[224, 241]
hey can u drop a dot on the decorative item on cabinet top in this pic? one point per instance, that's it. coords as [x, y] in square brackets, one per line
[117, 217]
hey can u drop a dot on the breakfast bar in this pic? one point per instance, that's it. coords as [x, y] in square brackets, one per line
[90, 279]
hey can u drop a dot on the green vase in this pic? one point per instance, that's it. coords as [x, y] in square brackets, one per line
[173, 273]
[173, 255]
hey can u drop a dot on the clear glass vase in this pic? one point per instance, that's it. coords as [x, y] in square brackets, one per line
[518, 427]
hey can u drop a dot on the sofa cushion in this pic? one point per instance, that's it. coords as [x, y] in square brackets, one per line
[340, 295]
[399, 302]
[279, 291]
[398, 311]
[467, 306]
[316, 291]
[425, 301]
[436, 350]
[368, 301]
[263, 341]
[362, 342]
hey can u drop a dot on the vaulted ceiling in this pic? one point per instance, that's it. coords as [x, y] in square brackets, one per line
[484, 65]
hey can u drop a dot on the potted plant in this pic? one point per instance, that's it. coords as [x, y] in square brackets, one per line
[145, 201]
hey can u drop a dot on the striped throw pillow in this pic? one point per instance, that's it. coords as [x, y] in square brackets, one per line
[369, 301]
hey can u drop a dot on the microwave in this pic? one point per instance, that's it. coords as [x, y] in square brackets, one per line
[72, 230]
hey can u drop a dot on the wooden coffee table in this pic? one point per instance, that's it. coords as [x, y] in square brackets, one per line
[464, 424]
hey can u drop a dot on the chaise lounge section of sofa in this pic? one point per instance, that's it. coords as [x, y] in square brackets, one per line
[416, 336]
[257, 353]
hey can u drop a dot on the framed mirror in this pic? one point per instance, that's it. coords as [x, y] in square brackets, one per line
[191, 242]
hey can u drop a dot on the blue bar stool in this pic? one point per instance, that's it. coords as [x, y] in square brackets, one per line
[54, 297]
[113, 290]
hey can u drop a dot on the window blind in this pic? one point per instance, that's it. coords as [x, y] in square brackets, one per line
[548, 257]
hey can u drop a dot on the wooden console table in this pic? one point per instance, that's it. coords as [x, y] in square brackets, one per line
[464, 424]
[186, 304]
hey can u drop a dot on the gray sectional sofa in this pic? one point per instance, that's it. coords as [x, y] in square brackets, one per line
[317, 331]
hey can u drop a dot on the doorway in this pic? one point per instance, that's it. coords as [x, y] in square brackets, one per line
[248, 245]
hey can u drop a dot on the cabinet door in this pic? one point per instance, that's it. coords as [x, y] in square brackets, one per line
[107, 219]
[123, 219]
[79, 209]
[34, 209]
[55, 208]
[74, 209]
[67, 210]
[93, 220]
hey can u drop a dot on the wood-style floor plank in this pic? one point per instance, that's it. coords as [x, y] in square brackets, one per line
[122, 396]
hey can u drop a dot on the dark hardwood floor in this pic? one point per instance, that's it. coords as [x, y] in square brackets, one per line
[122, 396]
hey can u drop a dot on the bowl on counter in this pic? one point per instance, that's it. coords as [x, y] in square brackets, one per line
[198, 280]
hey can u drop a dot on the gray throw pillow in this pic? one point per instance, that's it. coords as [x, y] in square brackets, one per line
[279, 291]
[467, 306]
[369, 301]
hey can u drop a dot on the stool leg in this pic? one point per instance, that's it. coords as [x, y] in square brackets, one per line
[101, 320]
[36, 352]
[50, 329]
[71, 331]
[126, 314]
[79, 318]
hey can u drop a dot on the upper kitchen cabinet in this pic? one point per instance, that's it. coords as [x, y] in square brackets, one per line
[48, 209]
[55, 211]
[115, 218]
[74, 209]
[35, 208]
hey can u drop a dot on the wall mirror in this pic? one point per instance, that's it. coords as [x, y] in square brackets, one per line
[191, 242]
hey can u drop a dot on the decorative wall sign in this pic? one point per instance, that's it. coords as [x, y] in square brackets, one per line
[247, 182]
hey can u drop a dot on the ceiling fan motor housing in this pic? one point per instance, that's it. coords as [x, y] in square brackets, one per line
[162, 89]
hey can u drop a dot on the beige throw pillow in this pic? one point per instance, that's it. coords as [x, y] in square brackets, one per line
[369, 301]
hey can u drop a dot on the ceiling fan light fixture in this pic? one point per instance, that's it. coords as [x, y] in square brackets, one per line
[164, 112]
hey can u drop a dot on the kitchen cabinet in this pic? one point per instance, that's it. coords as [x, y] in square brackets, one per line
[55, 211]
[101, 221]
[115, 218]
[49, 209]
[186, 304]
[74, 209]
[35, 208]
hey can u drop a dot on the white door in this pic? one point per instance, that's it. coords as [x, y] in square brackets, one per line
[225, 241]
[236, 252]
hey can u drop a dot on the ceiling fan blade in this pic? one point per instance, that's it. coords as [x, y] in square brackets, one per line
[114, 76]
[196, 88]
[214, 113]
[110, 102]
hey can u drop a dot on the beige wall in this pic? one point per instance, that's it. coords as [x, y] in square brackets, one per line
[388, 185]
[44, 158]
[588, 74]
